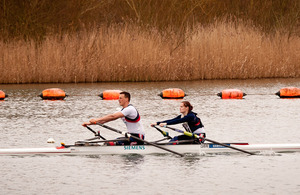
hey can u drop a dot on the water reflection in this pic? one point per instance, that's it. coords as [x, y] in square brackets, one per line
[132, 160]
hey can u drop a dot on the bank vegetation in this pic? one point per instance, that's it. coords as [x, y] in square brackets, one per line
[133, 40]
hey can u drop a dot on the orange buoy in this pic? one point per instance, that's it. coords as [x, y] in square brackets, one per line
[231, 94]
[110, 94]
[2, 95]
[53, 94]
[289, 92]
[172, 93]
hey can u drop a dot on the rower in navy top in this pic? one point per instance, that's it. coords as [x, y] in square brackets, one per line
[190, 121]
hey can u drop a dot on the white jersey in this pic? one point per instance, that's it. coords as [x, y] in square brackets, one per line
[132, 120]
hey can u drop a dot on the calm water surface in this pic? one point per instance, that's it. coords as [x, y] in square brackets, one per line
[262, 117]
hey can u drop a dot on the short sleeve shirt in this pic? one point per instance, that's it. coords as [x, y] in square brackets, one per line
[132, 127]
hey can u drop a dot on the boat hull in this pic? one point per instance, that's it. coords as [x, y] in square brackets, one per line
[148, 149]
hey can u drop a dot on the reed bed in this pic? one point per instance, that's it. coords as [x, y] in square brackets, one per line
[126, 52]
[45, 41]
[36, 19]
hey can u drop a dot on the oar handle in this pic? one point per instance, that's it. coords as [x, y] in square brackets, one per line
[91, 130]
[96, 134]
[112, 129]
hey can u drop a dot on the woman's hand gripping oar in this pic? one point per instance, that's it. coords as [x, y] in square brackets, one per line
[212, 141]
[137, 138]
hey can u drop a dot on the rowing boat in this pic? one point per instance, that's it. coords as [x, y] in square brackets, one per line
[100, 149]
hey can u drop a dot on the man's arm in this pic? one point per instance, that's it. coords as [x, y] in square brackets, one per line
[104, 119]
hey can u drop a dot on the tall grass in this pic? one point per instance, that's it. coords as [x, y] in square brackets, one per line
[36, 19]
[127, 52]
[147, 40]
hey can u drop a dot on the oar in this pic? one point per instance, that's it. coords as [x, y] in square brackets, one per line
[165, 134]
[103, 141]
[96, 134]
[137, 138]
[215, 142]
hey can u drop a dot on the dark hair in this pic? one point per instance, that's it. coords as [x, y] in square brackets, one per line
[126, 94]
[188, 104]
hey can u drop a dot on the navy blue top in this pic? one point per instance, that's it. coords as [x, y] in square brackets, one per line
[191, 118]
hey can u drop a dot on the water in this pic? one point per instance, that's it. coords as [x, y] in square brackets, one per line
[262, 117]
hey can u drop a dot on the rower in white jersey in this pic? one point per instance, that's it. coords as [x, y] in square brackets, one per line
[130, 117]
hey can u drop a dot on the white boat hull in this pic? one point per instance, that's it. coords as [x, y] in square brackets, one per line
[148, 149]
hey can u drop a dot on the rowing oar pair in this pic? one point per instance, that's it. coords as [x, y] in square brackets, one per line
[166, 134]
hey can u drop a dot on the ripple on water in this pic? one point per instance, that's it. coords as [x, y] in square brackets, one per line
[28, 121]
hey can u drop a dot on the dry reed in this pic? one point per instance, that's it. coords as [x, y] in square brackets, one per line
[222, 50]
